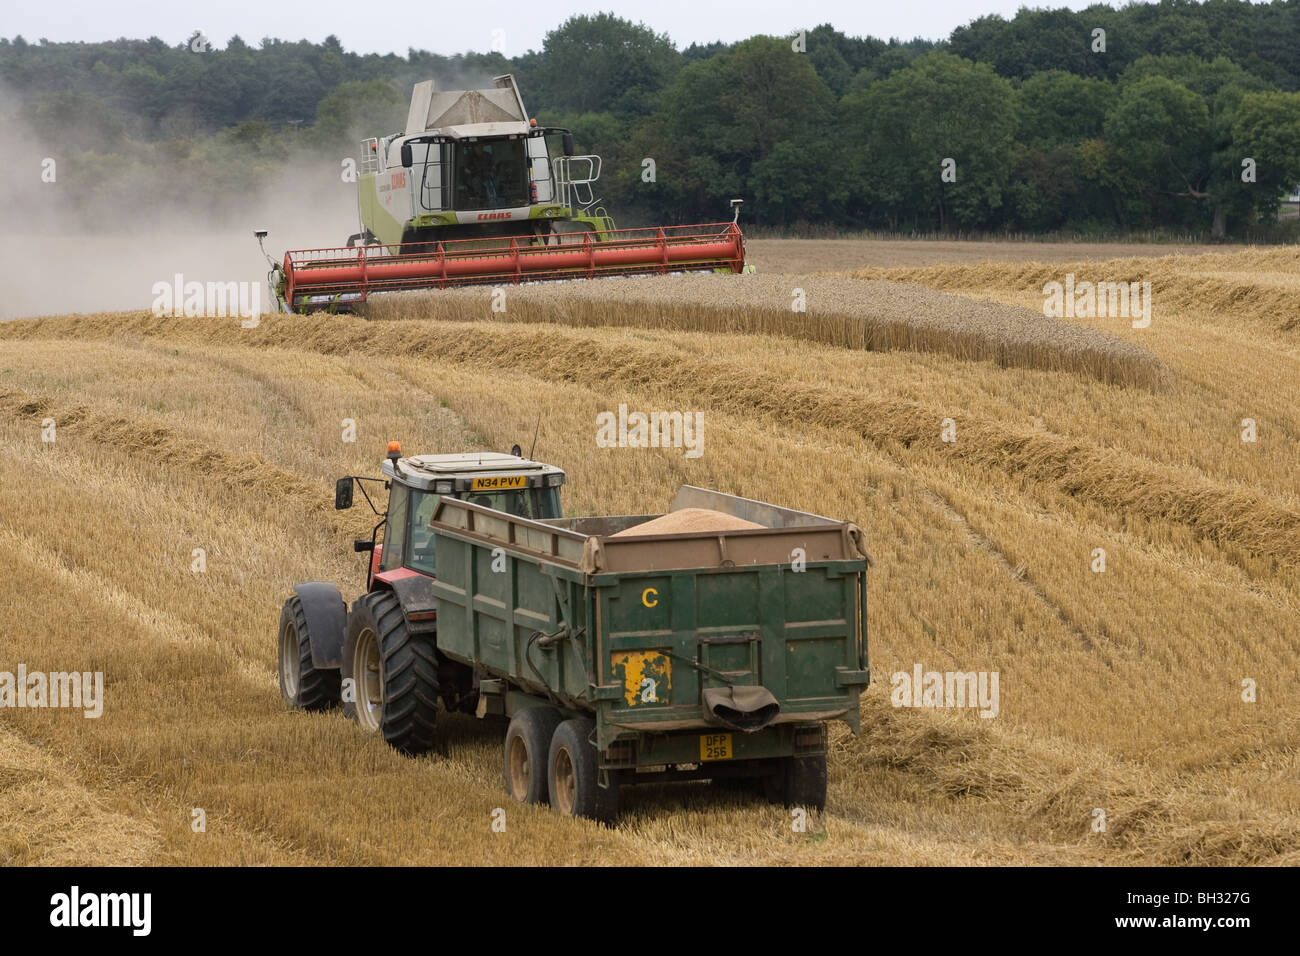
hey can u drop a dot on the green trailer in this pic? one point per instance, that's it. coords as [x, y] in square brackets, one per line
[689, 656]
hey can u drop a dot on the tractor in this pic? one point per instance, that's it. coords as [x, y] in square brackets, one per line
[379, 659]
[623, 649]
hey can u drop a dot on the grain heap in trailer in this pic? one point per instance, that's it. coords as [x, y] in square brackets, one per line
[474, 192]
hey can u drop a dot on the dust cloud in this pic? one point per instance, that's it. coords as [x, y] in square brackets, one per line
[69, 246]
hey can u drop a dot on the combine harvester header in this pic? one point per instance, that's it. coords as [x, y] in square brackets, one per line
[476, 193]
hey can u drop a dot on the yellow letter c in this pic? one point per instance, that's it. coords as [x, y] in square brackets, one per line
[645, 597]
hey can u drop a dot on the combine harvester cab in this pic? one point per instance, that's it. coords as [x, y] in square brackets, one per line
[474, 192]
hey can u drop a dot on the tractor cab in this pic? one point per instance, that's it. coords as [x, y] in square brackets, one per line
[507, 483]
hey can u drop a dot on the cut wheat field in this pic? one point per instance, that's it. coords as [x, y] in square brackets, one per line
[1120, 691]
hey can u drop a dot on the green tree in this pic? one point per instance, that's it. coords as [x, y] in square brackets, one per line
[602, 62]
[1209, 166]
[724, 115]
[1266, 128]
[1201, 76]
[838, 58]
[1058, 108]
[901, 130]
[358, 110]
[76, 118]
[1160, 131]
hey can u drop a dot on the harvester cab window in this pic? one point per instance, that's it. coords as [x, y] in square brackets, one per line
[491, 175]
[540, 173]
[427, 158]
[395, 528]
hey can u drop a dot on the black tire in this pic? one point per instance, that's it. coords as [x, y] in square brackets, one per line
[394, 674]
[740, 786]
[573, 237]
[774, 782]
[354, 684]
[572, 777]
[527, 753]
[302, 685]
[808, 782]
[798, 782]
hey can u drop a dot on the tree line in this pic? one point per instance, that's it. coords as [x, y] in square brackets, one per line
[1179, 116]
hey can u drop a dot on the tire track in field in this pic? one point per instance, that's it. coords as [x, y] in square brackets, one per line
[1019, 574]
[1070, 467]
[241, 472]
[963, 779]
[55, 818]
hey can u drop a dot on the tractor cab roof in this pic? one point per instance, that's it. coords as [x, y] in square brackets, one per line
[472, 471]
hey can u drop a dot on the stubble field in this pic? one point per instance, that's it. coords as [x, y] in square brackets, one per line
[1120, 691]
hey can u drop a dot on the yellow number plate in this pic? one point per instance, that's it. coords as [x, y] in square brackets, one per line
[500, 483]
[715, 746]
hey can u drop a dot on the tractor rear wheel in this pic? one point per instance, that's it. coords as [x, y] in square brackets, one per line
[302, 685]
[572, 775]
[527, 750]
[798, 782]
[394, 674]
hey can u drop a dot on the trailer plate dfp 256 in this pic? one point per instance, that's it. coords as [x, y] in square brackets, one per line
[715, 746]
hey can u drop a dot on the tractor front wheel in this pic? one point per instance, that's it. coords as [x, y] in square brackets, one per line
[393, 674]
[302, 685]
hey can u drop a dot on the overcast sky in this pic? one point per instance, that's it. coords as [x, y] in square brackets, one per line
[455, 26]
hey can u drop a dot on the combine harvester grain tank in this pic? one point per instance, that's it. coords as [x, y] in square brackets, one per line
[474, 192]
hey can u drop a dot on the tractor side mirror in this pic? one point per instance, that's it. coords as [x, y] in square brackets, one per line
[407, 159]
[342, 494]
[567, 140]
[361, 544]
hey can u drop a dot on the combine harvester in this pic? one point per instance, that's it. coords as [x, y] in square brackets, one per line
[475, 193]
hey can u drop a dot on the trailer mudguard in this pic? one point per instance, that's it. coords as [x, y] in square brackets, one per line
[327, 617]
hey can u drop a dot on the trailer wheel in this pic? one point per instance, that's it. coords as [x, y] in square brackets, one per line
[572, 777]
[527, 753]
[798, 782]
[394, 674]
[302, 685]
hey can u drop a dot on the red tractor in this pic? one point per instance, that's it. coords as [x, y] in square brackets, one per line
[380, 659]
